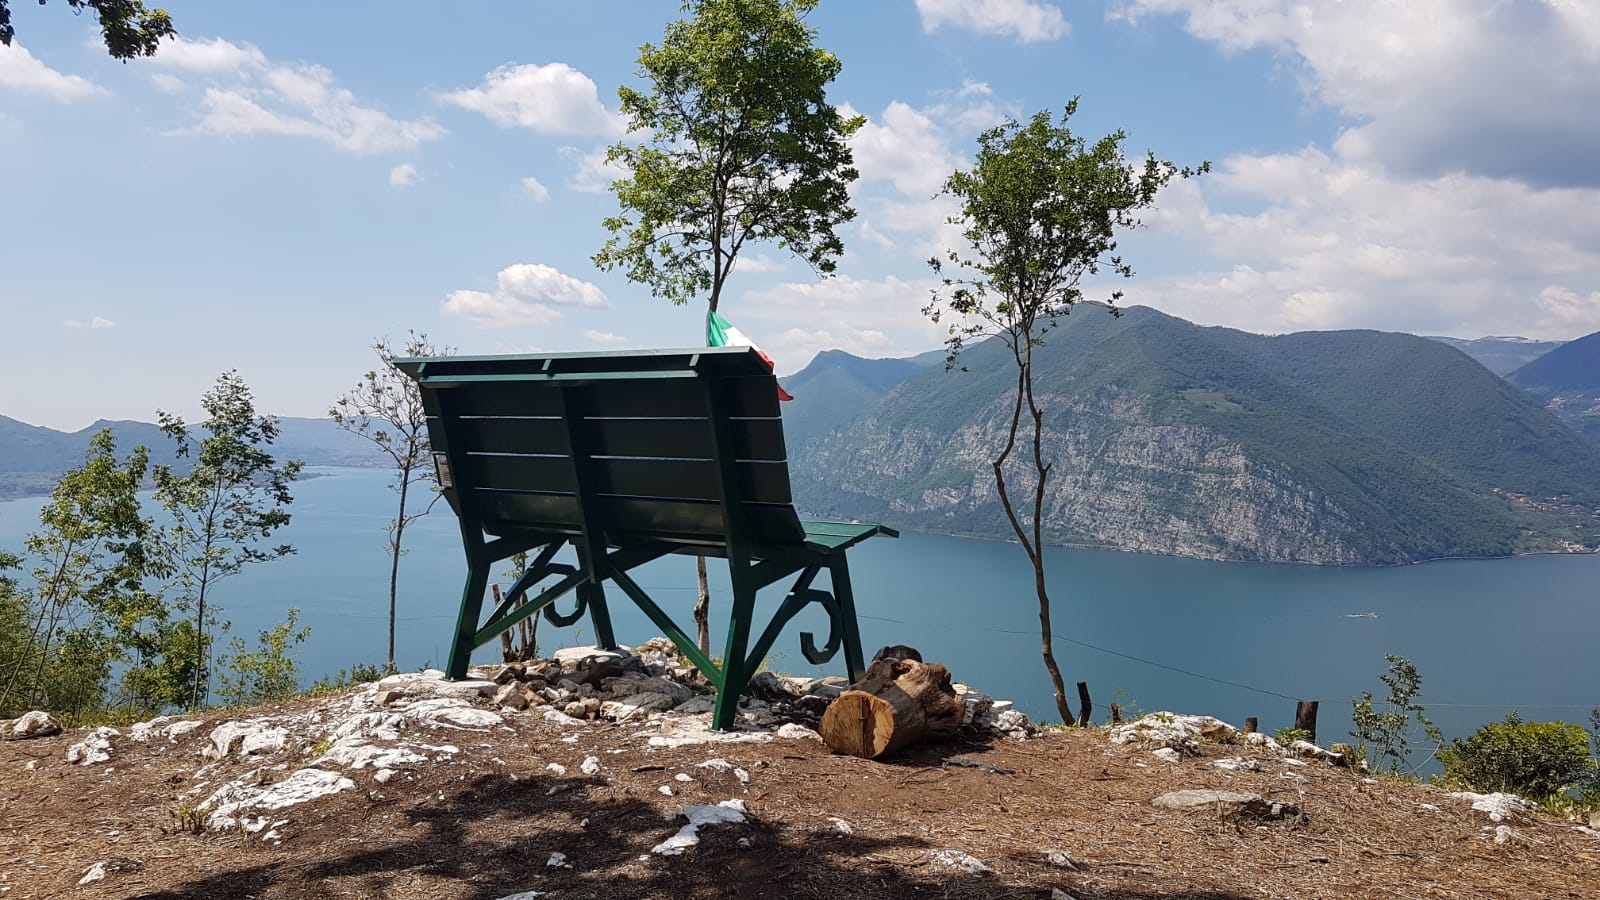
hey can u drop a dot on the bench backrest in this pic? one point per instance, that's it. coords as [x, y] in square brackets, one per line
[683, 446]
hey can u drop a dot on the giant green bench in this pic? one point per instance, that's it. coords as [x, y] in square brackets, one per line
[626, 458]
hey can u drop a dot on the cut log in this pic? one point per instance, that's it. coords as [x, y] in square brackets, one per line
[898, 703]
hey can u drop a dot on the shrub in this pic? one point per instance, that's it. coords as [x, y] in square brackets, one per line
[1386, 734]
[1537, 760]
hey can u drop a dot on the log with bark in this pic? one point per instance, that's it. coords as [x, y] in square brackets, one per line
[899, 702]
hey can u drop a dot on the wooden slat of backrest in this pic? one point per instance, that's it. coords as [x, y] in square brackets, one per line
[685, 479]
[753, 439]
[775, 525]
[747, 397]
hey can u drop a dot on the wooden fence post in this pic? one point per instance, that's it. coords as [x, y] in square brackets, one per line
[1116, 714]
[1305, 717]
[1085, 707]
[1250, 725]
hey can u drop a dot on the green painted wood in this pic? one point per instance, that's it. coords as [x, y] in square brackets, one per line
[754, 439]
[654, 453]
[750, 397]
[663, 479]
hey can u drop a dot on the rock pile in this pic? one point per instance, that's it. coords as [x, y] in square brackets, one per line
[585, 684]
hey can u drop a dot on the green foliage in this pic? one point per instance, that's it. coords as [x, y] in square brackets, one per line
[270, 672]
[1536, 760]
[742, 146]
[128, 28]
[1386, 734]
[225, 508]
[1041, 209]
[360, 673]
[1290, 735]
[90, 556]
[385, 407]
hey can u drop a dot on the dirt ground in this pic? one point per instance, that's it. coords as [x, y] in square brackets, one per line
[483, 824]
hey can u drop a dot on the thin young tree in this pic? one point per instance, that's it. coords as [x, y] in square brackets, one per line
[225, 508]
[742, 147]
[1041, 209]
[89, 556]
[385, 407]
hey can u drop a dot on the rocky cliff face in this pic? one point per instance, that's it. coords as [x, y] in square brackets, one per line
[1118, 478]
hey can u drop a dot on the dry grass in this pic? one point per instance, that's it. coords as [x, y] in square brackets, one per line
[483, 825]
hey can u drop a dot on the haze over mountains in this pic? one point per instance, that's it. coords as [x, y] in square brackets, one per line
[1567, 379]
[1341, 447]
[1337, 447]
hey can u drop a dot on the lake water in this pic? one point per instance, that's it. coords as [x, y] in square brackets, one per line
[1488, 636]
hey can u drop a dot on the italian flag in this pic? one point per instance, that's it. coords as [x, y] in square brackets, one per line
[721, 334]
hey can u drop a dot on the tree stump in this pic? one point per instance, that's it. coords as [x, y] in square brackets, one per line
[898, 703]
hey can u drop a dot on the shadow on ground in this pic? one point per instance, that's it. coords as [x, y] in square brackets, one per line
[495, 836]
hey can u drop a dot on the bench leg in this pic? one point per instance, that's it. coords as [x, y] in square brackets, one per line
[594, 594]
[467, 622]
[735, 676]
[839, 572]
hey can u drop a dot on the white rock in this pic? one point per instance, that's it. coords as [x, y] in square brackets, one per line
[1502, 834]
[95, 873]
[691, 730]
[841, 825]
[246, 737]
[572, 656]
[1312, 751]
[522, 895]
[590, 765]
[466, 687]
[728, 812]
[1167, 754]
[665, 790]
[682, 778]
[556, 769]
[1237, 764]
[1226, 805]
[32, 724]
[94, 748]
[1265, 741]
[795, 732]
[557, 861]
[1060, 859]
[356, 753]
[239, 795]
[957, 859]
[558, 717]
[450, 712]
[1164, 729]
[382, 776]
[1058, 894]
[1499, 806]
[510, 695]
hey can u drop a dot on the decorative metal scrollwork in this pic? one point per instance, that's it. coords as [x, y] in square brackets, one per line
[808, 645]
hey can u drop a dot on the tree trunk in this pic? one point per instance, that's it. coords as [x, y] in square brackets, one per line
[394, 562]
[507, 652]
[702, 607]
[898, 703]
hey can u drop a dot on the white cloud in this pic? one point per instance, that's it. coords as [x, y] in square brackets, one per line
[254, 95]
[403, 176]
[97, 323]
[1026, 20]
[524, 294]
[906, 147]
[1340, 243]
[1436, 86]
[591, 174]
[169, 84]
[215, 56]
[758, 264]
[552, 99]
[868, 317]
[606, 339]
[535, 189]
[21, 71]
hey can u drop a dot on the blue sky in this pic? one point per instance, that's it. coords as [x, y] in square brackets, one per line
[290, 180]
